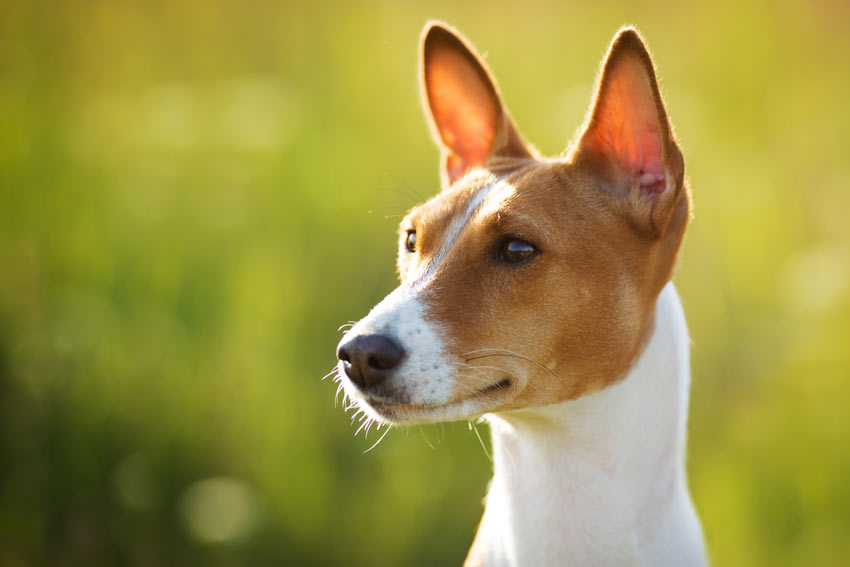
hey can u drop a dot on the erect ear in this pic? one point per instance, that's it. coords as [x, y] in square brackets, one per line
[628, 141]
[466, 113]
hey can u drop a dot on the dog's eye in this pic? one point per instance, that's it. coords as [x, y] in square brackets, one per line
[516, 251]
[410, 241]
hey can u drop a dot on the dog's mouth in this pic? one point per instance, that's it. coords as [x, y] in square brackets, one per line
[503, 384]
[469, 406]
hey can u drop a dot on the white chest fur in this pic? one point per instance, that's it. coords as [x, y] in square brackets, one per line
[599, 480]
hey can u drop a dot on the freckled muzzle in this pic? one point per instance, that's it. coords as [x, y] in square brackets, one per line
[395, 355]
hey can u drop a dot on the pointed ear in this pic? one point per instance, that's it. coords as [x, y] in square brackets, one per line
[628, 141]
[467, 117]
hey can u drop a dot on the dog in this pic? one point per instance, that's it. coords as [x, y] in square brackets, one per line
[536, 292]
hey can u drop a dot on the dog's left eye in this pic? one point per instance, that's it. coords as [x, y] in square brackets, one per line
[515, 251]
[410, 241]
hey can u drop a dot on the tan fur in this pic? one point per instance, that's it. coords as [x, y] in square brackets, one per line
[581, 310]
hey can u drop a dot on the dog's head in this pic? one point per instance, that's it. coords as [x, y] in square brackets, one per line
[527, 280]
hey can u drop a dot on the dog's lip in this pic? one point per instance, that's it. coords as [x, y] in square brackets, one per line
[501, 387]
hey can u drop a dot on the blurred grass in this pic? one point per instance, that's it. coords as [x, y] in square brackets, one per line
[194, 195]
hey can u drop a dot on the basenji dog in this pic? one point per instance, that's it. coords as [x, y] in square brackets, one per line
[536, 292]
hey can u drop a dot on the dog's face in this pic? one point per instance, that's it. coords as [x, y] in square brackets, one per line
[526, 281]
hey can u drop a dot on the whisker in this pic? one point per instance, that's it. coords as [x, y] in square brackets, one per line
[357, 414]
[364, 423]
[338, 390]
[426, 438]
[472, 427]
[406, 194]
[378, 441]
[508, 353]
[480, 369]
[477, 380]
[415, 192]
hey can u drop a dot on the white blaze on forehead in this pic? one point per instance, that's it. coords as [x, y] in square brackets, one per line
[489, 196]
[499, 194]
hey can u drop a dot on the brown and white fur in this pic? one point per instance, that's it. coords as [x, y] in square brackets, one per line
[536, 292]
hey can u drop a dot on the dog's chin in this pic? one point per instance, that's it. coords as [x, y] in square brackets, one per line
[396, 412]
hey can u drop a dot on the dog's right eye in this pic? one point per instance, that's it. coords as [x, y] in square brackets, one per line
[515, 251]
[410, 241]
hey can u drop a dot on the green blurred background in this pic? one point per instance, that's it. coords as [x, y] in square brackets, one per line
[195, 195]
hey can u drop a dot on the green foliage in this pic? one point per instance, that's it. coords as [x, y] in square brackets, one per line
[195, 195]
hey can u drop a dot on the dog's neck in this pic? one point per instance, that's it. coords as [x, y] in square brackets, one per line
[599, 480]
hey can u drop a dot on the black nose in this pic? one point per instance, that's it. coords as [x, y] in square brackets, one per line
[368, 359]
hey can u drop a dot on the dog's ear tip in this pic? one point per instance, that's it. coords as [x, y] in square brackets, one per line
[628, 32]
[440, 39]
[628, 38]
[433, 23]
[437, 29]
[628, 29]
